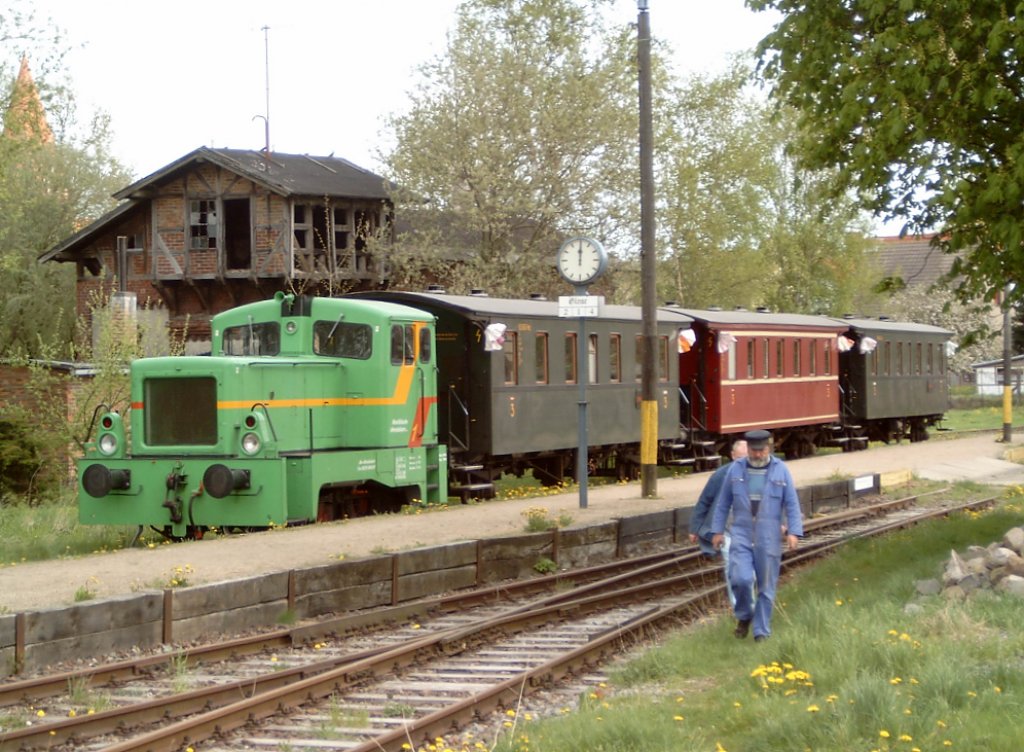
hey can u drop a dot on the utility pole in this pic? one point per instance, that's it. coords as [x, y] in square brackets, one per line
[1007, 365]
[648, 399]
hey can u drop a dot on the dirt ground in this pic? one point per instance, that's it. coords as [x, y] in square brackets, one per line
[39, 585]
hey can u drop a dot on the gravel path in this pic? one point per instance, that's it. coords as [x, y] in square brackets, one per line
[39, 585]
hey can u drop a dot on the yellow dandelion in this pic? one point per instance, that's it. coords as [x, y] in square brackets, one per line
[510, 713]
[940, 723]
[947, 743]
[907, 711]
[839, 602]
[416, 626]
[884, 734]
[406, 745]
[813, 708]
[998, 690]
[678, 718]
[971, 693]
[737, 705]
[41, 713]
[895, 680]
[906, 738]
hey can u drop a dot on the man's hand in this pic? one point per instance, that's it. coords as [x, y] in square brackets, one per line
[791, 541]
[717, 540]
[693, 537]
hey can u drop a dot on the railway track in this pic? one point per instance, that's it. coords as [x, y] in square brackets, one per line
[381, 679]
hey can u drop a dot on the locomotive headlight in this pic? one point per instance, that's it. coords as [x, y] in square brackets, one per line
[107, 444]
[251, 443]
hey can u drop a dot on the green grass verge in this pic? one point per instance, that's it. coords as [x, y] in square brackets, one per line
[848, 668]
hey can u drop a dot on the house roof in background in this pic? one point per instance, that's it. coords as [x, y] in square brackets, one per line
[284, 174]
[913, 259]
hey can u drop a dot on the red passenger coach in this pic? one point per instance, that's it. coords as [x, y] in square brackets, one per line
[752, 369]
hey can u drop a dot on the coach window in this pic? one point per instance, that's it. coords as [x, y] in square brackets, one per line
[638, 361]
[887, 360]
[662, 358]
[615, 358]
[570, 358]
[828, 357]
[874, 362]
[731, 363]
[797, 345]
[540, 353]
[920, 358]
[812, 357]
[510, 351]
[592, 358]
[931, 359]
[750, 358]
[899, 358]
[780, 354]
[767, 350]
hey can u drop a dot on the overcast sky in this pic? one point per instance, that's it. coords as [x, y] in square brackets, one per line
[180, 75]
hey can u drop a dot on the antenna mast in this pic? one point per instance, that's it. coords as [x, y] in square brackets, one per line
[266, 73]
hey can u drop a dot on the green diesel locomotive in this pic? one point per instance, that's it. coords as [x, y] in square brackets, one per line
[306, 410]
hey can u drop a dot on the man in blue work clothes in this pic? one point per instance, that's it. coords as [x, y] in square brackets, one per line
[700, 517]
[760, 495]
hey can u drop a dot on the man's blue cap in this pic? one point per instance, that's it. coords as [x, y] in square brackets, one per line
[757, 439]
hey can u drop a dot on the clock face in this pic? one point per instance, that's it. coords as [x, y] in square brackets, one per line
[581, 260]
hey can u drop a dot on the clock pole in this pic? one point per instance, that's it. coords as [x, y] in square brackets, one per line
[580, 261]
[583, 376]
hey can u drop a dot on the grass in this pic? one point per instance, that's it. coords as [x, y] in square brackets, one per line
[848, 668]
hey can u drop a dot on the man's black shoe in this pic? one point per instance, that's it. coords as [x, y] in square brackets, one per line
[742, 628]
[760, 638]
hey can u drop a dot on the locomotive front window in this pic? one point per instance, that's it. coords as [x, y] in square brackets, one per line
[252, 339]
[339, 339]
[180, 412]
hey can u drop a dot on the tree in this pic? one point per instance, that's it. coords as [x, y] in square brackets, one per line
[917, 106]
[744, 224]
[522, 133]
[50, 186]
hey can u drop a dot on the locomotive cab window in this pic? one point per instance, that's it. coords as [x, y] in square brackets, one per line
[252, 339]
[340, 339]
[403, 345]
[425, 345]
